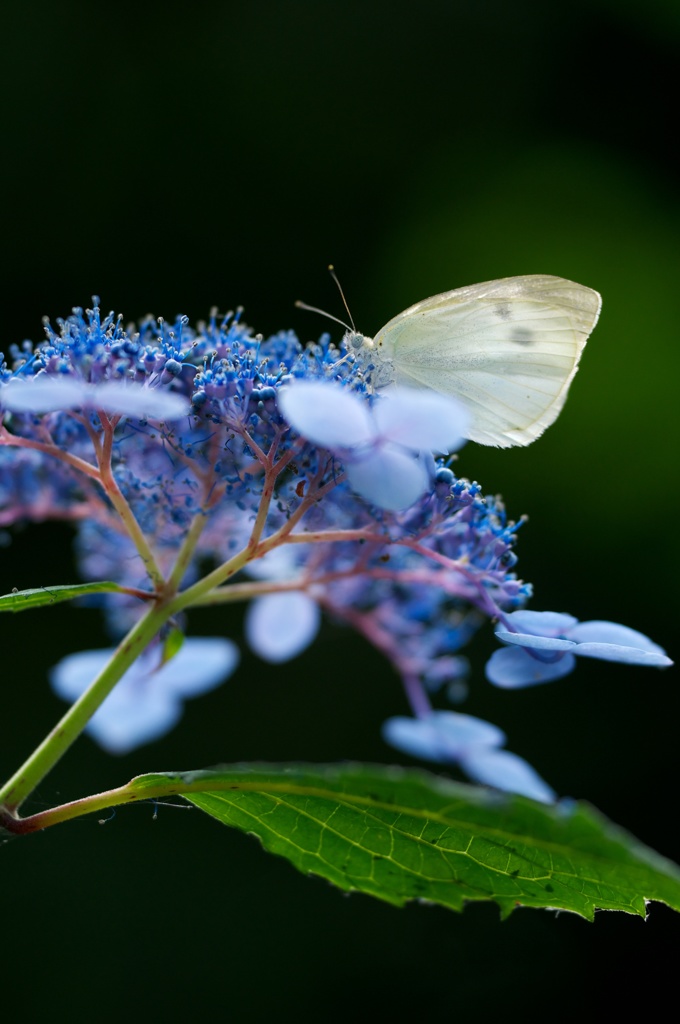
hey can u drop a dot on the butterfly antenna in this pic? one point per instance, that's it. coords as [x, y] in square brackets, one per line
[331, 271]
[322, 312]
[315, 309]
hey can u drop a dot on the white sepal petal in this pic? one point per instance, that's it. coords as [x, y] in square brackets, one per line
[326, 414]
[507, 771]
[440, 736]
[128, 398]
[46, 393]
[539, 643]
[542, 623]
[388, 477]
[43, 394]
[147, 701]
[601, 632]
[421, 420]
[280, 626]
[513, 668]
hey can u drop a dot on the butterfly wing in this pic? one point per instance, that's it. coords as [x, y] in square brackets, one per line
[507, 349]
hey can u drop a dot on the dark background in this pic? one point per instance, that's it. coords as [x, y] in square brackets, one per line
[170, 159]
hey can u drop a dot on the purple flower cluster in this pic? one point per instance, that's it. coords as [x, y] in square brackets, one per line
[303, 490]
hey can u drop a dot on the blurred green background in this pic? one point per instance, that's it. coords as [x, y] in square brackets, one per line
[170, 159]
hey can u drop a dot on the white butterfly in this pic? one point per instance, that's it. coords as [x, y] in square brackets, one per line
[506, 349]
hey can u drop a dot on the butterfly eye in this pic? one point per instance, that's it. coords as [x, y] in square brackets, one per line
[355, 341]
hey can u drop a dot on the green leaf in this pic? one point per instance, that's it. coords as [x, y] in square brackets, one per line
[172, 645]
[401, 835]
[20, 600]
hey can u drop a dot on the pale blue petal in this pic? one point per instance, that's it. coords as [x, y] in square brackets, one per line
[43, 394]
[463, 731]
[389, 477]
[542, 623]
[49, 394]
[539, 643]
[146, 702]
[513, 668]
[74, 673]
[628, 655]
[326, 414]
[131, 399]
[126, 721]
[442, 736]
[137, 711]
[612, 633]
[421, 420]
[280, 626]
[506, 771]
[414, 736]
[277, 564]
[201, 664]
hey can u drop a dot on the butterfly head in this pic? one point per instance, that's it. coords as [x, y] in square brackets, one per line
[355, 342]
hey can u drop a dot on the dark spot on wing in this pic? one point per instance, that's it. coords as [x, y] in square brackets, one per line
[521, 336]
[502, 311]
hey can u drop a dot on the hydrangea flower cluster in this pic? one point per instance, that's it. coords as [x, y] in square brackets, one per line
[305, 489]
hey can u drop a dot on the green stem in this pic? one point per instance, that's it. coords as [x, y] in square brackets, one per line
[187, 550]
[223, 572]
[57, 742]
[130, 793]
[145, 788]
